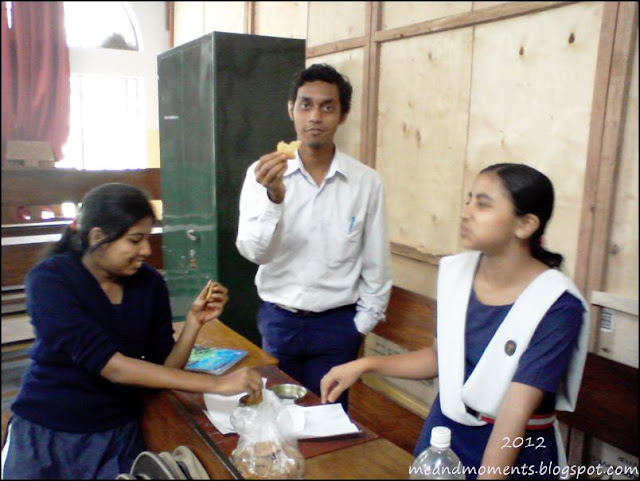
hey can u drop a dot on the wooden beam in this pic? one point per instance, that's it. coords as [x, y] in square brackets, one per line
[596, 128]
[170, 9]
[371, 81]
[415, 254]
[339, 46]
[612, 301]
[250, 17]
[611, 89]
[467, 19]
[54, 186]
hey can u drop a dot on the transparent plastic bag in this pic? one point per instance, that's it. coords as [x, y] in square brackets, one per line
[267, 448]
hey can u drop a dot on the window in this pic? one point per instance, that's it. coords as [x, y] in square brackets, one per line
[107, 124]
[101, 25]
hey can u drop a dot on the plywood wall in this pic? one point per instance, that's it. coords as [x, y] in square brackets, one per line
[334, 21]
[423, 109]
[541, 67]
[350, 64]
[224, 17]
[281, 19]
[188, 21]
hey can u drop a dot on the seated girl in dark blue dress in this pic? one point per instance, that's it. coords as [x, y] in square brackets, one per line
[103, 330]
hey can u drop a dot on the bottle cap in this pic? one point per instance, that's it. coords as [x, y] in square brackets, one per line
[440, 437]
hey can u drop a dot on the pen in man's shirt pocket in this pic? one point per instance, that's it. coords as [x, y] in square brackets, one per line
[351, 222]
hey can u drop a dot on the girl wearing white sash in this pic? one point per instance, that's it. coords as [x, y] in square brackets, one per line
[511, 335]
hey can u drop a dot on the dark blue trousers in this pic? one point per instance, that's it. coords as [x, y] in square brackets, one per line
[35, 452]
[308, 345]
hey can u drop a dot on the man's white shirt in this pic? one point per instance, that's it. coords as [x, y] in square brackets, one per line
[324, 246]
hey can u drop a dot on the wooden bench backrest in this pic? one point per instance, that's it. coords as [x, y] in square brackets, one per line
[29, 187]
[410, 319]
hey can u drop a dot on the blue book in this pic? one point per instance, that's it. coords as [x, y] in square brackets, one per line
[214, 360]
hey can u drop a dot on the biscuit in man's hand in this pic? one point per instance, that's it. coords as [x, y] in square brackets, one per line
[289, 149]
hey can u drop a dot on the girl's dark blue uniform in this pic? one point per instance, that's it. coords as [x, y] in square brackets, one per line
[542, 365]
[63, 397]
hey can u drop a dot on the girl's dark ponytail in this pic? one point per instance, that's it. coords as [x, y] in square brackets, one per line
[71, 240]
[551, 259]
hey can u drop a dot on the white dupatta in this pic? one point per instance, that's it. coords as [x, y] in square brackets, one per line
[487, 385]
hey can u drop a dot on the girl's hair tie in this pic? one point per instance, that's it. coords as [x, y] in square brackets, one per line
[73, 226]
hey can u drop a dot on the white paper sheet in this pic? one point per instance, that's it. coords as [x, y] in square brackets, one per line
[219, 409]
[319, 421]
[324, 420]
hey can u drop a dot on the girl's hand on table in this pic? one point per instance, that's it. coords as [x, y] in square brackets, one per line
[245, 379]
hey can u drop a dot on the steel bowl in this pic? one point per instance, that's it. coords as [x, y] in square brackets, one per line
[289, 393]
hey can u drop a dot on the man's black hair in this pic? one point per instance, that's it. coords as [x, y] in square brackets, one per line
[324, 73]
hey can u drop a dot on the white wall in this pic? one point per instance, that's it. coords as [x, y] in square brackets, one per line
[151, 18]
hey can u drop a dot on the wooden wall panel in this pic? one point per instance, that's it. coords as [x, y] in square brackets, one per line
[188, 21]
[622, 272]
[399, 14]
[224, 17]
[414, 276]
[422, 122]
[349, 63]
[334, 21]
[532, 88]
[282, 19]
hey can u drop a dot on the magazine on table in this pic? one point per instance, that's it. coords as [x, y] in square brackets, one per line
[214, 360]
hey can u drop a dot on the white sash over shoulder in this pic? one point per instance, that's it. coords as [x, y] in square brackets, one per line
[487, 385]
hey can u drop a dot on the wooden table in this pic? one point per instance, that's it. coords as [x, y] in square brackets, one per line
[173, 418]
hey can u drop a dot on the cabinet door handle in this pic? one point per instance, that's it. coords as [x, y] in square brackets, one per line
[191, 235]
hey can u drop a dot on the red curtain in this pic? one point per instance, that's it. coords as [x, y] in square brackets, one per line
[37, 75]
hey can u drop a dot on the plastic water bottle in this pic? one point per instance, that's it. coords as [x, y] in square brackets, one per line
[438, 461]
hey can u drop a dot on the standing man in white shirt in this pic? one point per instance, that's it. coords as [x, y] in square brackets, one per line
[316, 225]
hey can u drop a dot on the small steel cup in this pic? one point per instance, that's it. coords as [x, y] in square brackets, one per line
[289, 393]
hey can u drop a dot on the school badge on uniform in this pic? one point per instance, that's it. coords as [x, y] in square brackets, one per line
[510, 347]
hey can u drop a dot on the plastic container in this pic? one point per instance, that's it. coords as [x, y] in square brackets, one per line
[438, 461]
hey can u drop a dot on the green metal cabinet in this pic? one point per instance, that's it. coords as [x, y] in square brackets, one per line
[222, 104]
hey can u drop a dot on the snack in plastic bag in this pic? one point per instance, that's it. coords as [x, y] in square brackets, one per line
[267, 448]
